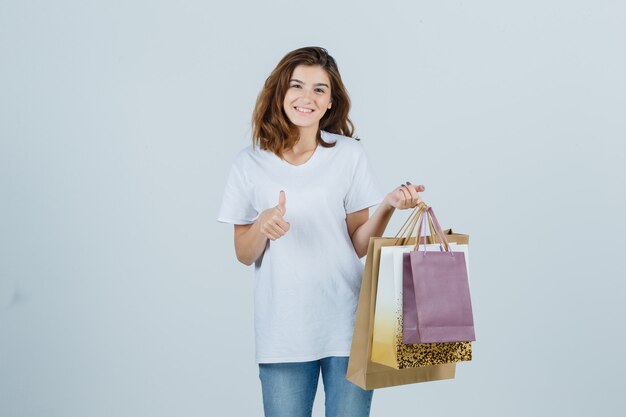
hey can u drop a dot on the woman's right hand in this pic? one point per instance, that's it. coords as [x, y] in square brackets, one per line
[271, 221]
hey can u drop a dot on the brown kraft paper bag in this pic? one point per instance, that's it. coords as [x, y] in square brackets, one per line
[361, 370]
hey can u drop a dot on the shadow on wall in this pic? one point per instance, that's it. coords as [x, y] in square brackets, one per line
[10, 295]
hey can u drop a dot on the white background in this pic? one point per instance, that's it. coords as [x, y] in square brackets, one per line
[120, 294]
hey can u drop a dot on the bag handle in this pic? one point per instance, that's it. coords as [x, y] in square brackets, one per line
[436, 232]
[415, 219]
[406, 230]
[442, 235]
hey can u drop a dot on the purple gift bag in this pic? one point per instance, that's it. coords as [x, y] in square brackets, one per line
[436, 303]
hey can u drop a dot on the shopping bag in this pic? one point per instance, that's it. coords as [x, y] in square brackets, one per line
[436, 299]
[361, 370]
[388, 347]
[388, 314]
[402, 267]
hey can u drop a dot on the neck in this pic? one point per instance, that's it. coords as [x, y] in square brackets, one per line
[307, 141]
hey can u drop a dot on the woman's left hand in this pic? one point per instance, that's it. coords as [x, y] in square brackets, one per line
[405, 196]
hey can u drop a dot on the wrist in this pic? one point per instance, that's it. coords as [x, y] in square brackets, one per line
[386, 205]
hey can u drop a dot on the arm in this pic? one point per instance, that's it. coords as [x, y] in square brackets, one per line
[249, 242]
[251, 239]
[361, 228]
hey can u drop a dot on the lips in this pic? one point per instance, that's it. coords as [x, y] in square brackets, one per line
[303, 110]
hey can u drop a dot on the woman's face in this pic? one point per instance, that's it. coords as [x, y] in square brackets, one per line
[308, 96]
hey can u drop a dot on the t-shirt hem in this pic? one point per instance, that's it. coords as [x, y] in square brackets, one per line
[304, 358]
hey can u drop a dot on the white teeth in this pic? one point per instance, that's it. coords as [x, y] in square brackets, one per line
[300, 109]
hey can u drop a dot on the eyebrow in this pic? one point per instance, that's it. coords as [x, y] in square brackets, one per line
[298, 81]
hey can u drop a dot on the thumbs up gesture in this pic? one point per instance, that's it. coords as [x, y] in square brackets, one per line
[272, 223]
[282, 203]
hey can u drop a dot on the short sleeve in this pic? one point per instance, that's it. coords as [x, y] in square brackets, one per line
[237, 205]
[364, 190]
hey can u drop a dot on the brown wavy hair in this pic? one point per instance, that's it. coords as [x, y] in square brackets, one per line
[272, 130]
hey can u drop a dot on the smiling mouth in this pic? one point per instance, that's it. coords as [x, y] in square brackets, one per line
[303, 110]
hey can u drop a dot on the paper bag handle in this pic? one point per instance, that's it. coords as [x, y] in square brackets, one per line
[406, 231]
[430, 219]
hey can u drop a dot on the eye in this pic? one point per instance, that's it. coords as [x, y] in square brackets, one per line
[321, 90]
[296, 85]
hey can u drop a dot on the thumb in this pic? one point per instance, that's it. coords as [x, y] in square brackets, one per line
[282, 201]
[418, 188]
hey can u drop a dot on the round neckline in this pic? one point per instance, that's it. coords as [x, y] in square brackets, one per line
[309, 161]
[317, 145]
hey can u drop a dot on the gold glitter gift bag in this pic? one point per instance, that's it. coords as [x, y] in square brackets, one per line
[362, 371]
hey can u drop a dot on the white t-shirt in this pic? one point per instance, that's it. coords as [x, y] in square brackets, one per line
[307, 282]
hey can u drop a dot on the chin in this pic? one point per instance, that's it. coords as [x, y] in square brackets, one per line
[300, 124]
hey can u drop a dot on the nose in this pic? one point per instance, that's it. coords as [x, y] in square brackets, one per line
[306, 93]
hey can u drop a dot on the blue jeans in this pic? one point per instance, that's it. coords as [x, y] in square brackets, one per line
[289, 389]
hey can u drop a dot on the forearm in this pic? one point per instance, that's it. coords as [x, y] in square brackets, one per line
[374, 227]
[250, 244]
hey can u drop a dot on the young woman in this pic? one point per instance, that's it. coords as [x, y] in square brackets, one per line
[299, 199]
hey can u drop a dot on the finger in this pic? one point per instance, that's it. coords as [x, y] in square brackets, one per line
[277, 214]
[282, 202]
[408, 201]
[269, 235]
[279, 226]
[414, 197]
[283, 225]
[275, 229]
[405, 196]
[419, 188]
[278, 219]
